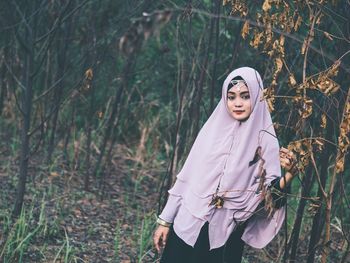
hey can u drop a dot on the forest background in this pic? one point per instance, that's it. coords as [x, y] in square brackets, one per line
[100, 102]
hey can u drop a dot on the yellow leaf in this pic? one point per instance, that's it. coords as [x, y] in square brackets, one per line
[270, 105]
[282, 40]
[266, 6]
[334, 69]
[292, 80]
[327, 86]
[306, 110]
[319, 143]
[279, 64]
[323, 121]
[303, 48]
[318, 20]
[54, 174]
[327, 35]
[256, 41]
[245, 30]
[268, 33]
[89, 74]
[340, 164]
[298, 23]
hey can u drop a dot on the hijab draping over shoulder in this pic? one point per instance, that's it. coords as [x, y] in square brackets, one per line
[221, 159]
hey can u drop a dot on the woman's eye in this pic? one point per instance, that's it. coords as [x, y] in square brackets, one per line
[231, 97]
[246, 97]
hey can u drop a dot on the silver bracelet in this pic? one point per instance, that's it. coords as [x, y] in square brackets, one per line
[163, 223]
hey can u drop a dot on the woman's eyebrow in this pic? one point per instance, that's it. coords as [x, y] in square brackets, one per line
[243, 92]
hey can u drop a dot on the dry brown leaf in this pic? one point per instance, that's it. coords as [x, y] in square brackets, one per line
[279, 64]
[298, 23]
[319, 144]
[245, 30]
[270, 103]
[306, 108]
[89, 74]
[327, 85]
[266, 6]
[339, 166]
[256, 40]
[303, 48]
[292, 80]
[327, 35]
[323, 121]
[54, 174]
[282, 39]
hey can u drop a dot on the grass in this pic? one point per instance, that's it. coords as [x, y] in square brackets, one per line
[31, 233]
[20, 234]
[145, 236]
[66, 252]
[117, 236]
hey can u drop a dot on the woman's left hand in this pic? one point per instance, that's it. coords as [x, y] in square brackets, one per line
[288, 160]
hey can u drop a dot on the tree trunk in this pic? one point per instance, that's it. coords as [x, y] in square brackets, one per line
[90, 118]
[62, 47]
[317, 223]
[199, 89]
[26, 105]
[333, 180]
[114, 114]
[3, 88]
[217, 32]
[293, 243]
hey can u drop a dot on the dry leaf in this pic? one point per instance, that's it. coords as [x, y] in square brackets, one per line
[270, 103]
[319, 144]
[306, 109]
[282, 39]
[339, 166]
[327, 35]
[327, 85]
[303, 48]
[89, 74]
[54, 174]
[245, 30]
[266, 6]
[292, 80]
[256, 40]
[323, 121]
[279, 64]
[298, 23]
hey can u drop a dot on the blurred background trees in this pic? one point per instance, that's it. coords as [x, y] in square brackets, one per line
[87, 83]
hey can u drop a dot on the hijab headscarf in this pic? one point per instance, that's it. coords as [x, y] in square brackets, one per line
[223, 160]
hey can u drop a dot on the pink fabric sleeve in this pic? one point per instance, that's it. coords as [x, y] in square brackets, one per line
[170, 210]
[174, 201]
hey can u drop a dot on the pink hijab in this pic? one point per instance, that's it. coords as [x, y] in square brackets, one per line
[222, 155]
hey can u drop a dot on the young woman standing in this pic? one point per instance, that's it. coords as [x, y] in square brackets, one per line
[226, 194]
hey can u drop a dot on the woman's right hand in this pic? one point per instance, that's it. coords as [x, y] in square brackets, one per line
[160, 237]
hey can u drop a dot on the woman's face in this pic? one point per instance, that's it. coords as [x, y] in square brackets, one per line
[238, 101]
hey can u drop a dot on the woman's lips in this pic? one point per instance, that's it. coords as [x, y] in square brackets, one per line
[238, 112]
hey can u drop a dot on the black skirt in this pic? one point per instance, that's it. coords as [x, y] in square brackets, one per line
[177, 251]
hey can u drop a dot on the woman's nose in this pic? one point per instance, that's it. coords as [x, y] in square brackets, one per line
[238, 102]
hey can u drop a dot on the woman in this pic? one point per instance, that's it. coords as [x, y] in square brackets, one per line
[224, 195]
